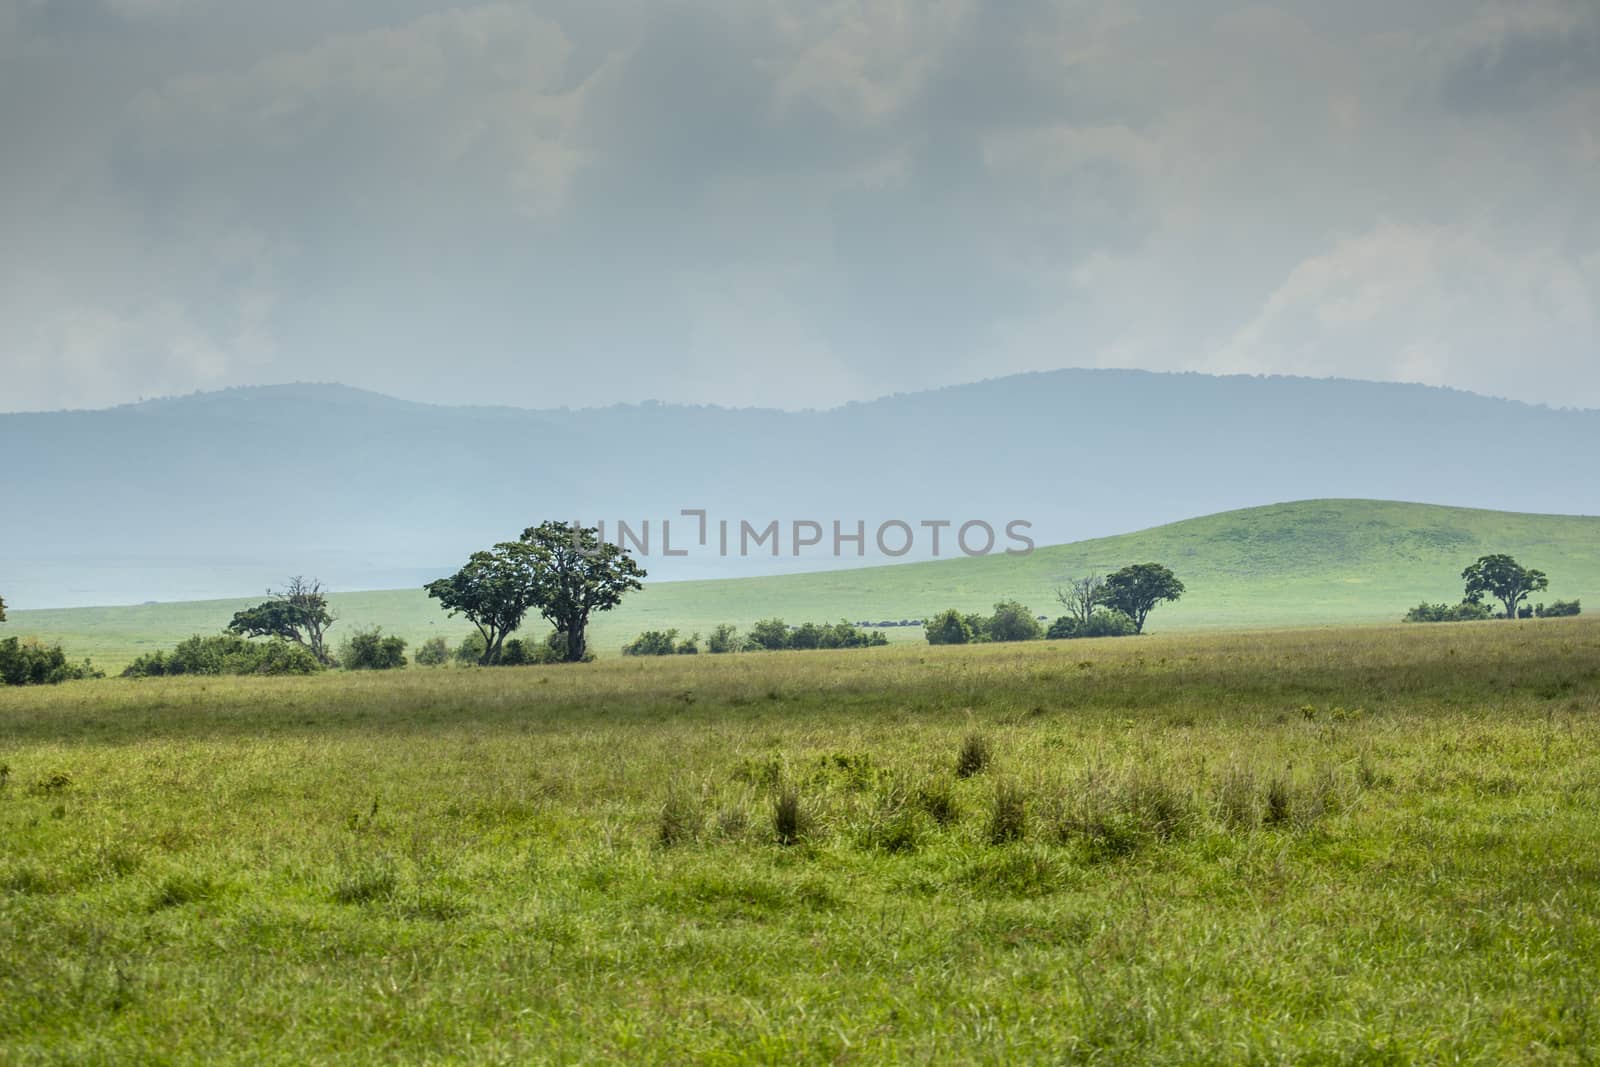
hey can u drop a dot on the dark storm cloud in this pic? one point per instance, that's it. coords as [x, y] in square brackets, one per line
[750, 202]
[1527, 66]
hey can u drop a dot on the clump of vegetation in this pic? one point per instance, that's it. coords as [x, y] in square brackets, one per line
[681, 818]
[775, 635]
[1008, 814]
[471, 650]
[1466, 611]
[791, 822]
[226, 654]
[370, 650]
[553, 649]
[724, 639]
[434, 652]
[662, 643]
[937, 798]
[949, 627]
[974, 755]
[27, 662]
[1561, 609]
[1104, 622]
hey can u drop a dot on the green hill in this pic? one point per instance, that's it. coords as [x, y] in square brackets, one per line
[1303, 564]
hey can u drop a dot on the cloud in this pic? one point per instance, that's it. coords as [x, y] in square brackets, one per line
[1428, 304]
[758, 202]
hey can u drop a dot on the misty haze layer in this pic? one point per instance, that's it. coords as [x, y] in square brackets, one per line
[222, 494]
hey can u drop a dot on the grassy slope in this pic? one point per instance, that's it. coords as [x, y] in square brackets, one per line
[1310, 563]
[1333, 846]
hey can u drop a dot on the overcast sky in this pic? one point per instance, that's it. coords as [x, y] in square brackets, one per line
[749, 202]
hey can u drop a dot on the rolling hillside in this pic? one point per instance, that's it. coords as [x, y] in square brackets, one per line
[1302, 564]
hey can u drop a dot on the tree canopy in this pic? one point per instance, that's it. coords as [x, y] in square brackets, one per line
[1505, 579]
[299, 613]
[1136, 590]
[576, 574]
[494, 591]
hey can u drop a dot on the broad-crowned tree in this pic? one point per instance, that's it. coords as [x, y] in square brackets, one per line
[576, 574]
[1505, 579]
[1136, 590]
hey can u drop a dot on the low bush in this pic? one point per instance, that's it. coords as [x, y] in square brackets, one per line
[1105, 622]
[30, 663]
[1561, 609]
[653, 643]
[370, 650]
[434, 652]
[1466, 611]
[723, 639]
[226, 654]
[774, 635]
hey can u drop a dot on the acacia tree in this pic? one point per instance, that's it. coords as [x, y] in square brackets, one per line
[1505, 579]
[494, 591]
[1136, 590]
[299, 613]
[1081, 596]
[576, 574]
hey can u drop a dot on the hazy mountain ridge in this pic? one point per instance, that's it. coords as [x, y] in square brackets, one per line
[244, 486]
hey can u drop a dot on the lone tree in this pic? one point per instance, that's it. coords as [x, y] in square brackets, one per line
[1136, 590]
[1081, 596]
[299, 613]
[576, 574]
[2, 609]
[1505, 579]
[494, 591]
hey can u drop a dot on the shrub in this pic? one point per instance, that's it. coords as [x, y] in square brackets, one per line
[1107, 622]
[226, 654]
[434, 652]
[770, 635]
[514, 653]
[30, 663]
[652, 643]
[689, 646]
[843, 635]
[1013, 622]
[1466, 611]
[471, 648]
[369, 650]
[1064, 628]
[1561, 609]
[723, 639]
[554, 650]
[948, 628]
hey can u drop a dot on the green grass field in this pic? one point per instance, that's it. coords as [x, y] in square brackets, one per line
[1371, 845]
[1306, 564]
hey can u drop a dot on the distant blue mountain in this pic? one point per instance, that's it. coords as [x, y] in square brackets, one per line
[220, 493]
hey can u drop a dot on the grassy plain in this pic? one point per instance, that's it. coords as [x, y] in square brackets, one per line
[1360, 846]
[1305, 564]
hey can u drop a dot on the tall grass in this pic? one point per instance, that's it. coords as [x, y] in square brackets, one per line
[1162, 859]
